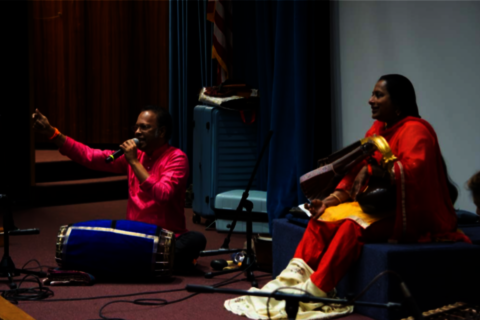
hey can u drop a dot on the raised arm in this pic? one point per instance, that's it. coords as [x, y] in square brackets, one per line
[78, 152]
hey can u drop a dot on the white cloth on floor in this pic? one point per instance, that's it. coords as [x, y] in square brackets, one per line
[294, 279]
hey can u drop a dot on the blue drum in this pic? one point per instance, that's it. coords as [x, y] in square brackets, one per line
[116, 248]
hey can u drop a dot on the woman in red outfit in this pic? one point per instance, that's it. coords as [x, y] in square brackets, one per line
[339, 227]
[424, 208]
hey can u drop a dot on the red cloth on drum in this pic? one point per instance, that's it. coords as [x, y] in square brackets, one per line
[424, 210]
[158, 200]
[330, 248]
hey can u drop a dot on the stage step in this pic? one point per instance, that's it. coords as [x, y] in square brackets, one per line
[66, 171]
[80, 191]
[60, 181]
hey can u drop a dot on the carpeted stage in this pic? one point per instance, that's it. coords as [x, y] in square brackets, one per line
[48, 216]
[42, 248]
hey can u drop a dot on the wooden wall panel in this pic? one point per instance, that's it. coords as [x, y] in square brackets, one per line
[97, 62]
[59, 64]
[151, 58]
[109, 74]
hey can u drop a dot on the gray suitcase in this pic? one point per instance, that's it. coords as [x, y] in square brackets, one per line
[224, 155]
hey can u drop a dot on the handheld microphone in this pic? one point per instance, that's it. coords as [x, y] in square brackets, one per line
[410, 303]
[118, 153]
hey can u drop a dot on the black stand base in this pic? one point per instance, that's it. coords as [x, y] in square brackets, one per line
[248, 265]
[7, 267]
[8, 270]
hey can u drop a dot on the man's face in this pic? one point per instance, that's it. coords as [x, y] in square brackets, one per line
[146, 131]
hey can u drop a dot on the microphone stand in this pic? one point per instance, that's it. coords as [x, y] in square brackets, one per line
[249, 262]
[291, 300]
[7, 267]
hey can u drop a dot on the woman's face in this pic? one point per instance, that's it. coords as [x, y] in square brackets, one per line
[382, 107]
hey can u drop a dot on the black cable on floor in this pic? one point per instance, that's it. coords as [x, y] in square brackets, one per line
[165, 302]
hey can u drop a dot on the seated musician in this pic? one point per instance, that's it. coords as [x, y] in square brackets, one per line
[474, 187]
[157, 176]
[339, 228]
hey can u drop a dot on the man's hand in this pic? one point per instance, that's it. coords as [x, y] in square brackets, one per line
[129, 148]
[41, 124]
[316, 207]
[359, 181]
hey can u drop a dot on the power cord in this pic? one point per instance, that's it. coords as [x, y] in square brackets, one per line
[41, 293]
[27, 294]
[38, 265]
[377, 277]
[162, 302]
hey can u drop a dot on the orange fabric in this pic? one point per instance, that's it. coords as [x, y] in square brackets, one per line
[352, 211]
[424, 211]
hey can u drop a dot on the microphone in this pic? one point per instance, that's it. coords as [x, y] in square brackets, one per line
[410, 303]
[206, 253]
[199, 289]
[118, 153]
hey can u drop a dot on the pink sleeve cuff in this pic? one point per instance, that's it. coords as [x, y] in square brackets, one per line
[67, 146]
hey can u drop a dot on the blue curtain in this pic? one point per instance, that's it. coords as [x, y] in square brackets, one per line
[190, 66]
[289, 58]
[281, 48]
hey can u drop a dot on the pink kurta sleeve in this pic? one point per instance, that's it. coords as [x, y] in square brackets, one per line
[92, 158]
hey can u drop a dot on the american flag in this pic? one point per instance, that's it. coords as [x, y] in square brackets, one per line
[220, 13]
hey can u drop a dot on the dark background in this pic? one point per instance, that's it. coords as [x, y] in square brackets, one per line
[90, 65]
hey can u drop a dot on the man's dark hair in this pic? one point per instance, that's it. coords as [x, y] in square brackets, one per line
[474, 185]
[402, 94]
[163, 119]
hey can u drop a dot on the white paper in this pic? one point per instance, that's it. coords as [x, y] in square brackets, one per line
[302, 206]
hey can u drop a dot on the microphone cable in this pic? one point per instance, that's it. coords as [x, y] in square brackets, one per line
[409, 303]
[162, 302]
[28, 294]
[41, 293]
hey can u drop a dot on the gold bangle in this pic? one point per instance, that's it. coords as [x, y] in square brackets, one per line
[339, 201]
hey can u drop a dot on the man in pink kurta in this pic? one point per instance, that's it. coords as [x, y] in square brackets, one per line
[157, 176]
[158, 200]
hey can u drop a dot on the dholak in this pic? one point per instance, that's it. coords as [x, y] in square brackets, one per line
[116, 248]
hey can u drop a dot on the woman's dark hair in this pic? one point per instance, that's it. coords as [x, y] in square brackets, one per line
[474, 185]
[163, 119]
[403, 97]
[402, 94]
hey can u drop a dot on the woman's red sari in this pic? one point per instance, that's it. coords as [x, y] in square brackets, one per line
[424, 210]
